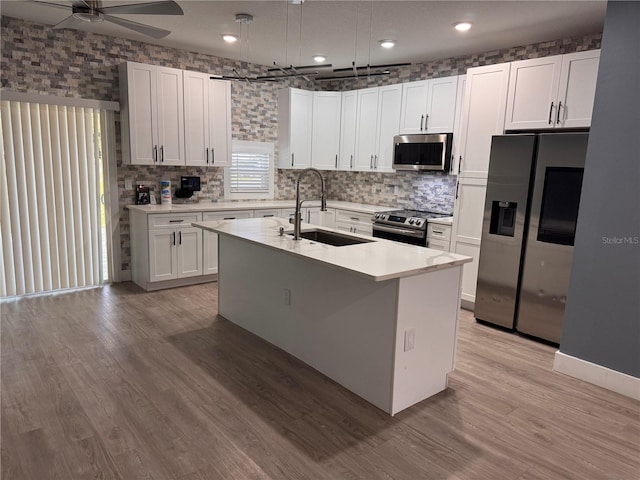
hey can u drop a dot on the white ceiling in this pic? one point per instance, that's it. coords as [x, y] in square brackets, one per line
[345, 31]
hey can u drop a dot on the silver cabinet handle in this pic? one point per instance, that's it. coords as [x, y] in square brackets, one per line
[174, 238]
[351, 162]
[336, 160]
[426, 122]
[176, 221]
[161, 153]
[459, 164]
[180, 237]
[438, 232]
[375, 163]
[457, 185]
[155, 154]
[421, 121]
[371, 163]
[355, 219]
[550, 112]
[558, 115]
[213, 156]
[207, 150]
[292, 159]
[229, 218]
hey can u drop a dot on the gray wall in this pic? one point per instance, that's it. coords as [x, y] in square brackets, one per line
[602, 319]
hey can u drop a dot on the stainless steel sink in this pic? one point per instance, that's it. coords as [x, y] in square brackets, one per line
[331, 238]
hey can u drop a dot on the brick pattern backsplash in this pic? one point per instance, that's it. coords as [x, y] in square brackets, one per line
[37, 59]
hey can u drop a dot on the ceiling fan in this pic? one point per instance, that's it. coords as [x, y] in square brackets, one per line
[92, 11]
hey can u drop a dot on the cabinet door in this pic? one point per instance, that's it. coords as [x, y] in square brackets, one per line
[219, 123]
[389, 106]
[441, 105]
[301, 124]
[141, 104]
[325, 139]
[414, 106]
[457, 126]
[577, 88]
[348, 130]
[467, 230]
[366, 129]
[210, 239]
[163, 264]
[169, 101]
[483, 116]
[196, 118]
[189, 252]
[533, 89]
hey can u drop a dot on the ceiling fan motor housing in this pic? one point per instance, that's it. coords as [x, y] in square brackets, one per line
[87, 14]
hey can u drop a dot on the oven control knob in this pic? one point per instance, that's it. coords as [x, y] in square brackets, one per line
[418, 222]
[377, 215]
[411, 221]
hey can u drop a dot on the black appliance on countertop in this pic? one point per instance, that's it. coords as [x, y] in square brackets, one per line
[406, 226]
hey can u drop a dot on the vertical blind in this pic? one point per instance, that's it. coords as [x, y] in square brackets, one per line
[50, 218]
[250, 171]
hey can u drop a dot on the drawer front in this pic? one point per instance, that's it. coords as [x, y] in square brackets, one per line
[353, 217]
[438, 232]
[438, 245]
[229, 215]
[266, 213]
[355, 227]
[170, 220]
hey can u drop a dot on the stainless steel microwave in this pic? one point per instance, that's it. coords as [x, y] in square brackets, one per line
[422, 152]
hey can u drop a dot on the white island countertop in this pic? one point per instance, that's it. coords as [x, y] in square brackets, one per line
[378, 260]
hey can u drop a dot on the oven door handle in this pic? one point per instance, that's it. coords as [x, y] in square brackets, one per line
[399, 231]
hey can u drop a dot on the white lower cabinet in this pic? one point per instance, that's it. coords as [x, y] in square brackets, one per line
[354, 222]
[316, 216]
[210, 240]
[438, 236]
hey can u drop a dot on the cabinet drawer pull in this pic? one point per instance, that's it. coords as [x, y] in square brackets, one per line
[180, 238]
[356, 219]
[558, 115]
[267, 216]
[176, 221]
[207, 150]
[229, 218]
[174, 238]
[438, 232]
[550, 112]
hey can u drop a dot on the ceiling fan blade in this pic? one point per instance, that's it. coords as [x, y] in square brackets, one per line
[70, 22]
[138, 27]
[49, 4]
[167, 7]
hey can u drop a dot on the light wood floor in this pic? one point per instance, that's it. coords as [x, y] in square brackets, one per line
[115, 383]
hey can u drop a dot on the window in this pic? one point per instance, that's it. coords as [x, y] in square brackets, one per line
[251, 173]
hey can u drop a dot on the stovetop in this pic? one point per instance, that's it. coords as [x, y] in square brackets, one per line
[416, 219]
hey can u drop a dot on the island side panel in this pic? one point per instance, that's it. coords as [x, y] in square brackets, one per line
[339, 323]
[428, 307]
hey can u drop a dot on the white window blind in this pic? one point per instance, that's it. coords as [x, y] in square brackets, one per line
[251, 172]
[51, 218]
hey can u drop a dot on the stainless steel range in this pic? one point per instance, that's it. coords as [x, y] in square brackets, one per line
[406, 226]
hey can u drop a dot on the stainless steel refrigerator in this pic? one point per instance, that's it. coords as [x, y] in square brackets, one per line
[528, 230]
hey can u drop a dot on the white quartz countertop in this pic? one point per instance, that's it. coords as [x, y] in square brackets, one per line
[226, 206]
[378, 260]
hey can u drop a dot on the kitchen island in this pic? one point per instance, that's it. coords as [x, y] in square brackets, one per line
[379, 318]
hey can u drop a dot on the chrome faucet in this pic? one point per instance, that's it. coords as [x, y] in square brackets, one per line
[297, 216]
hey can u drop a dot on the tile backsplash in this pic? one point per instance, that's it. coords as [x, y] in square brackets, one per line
[37, 59]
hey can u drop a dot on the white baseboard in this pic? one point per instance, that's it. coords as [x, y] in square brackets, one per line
[597, 374]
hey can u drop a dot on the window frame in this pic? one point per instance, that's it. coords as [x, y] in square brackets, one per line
[246, 146]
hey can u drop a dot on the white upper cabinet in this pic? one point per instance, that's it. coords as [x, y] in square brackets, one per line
[428, 106]
[389, 106]
[325, 138]
[348, 124]
[377, 122]
[483, 114]
[207, 110]
[152, 114]
[366, 128]
[577, 89]
[295, 120]
[552, 92]
[457, 126]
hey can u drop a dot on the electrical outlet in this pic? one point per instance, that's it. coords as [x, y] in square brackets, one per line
[287, 296]
[409, 339]
[128, 184]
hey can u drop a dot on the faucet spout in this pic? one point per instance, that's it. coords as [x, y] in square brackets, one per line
[297, 217]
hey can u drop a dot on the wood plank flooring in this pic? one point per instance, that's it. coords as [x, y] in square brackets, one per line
[116, 383]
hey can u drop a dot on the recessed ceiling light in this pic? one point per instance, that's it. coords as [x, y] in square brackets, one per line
[387, 43]
[462, 26]
[229, 38]
[319, 58]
